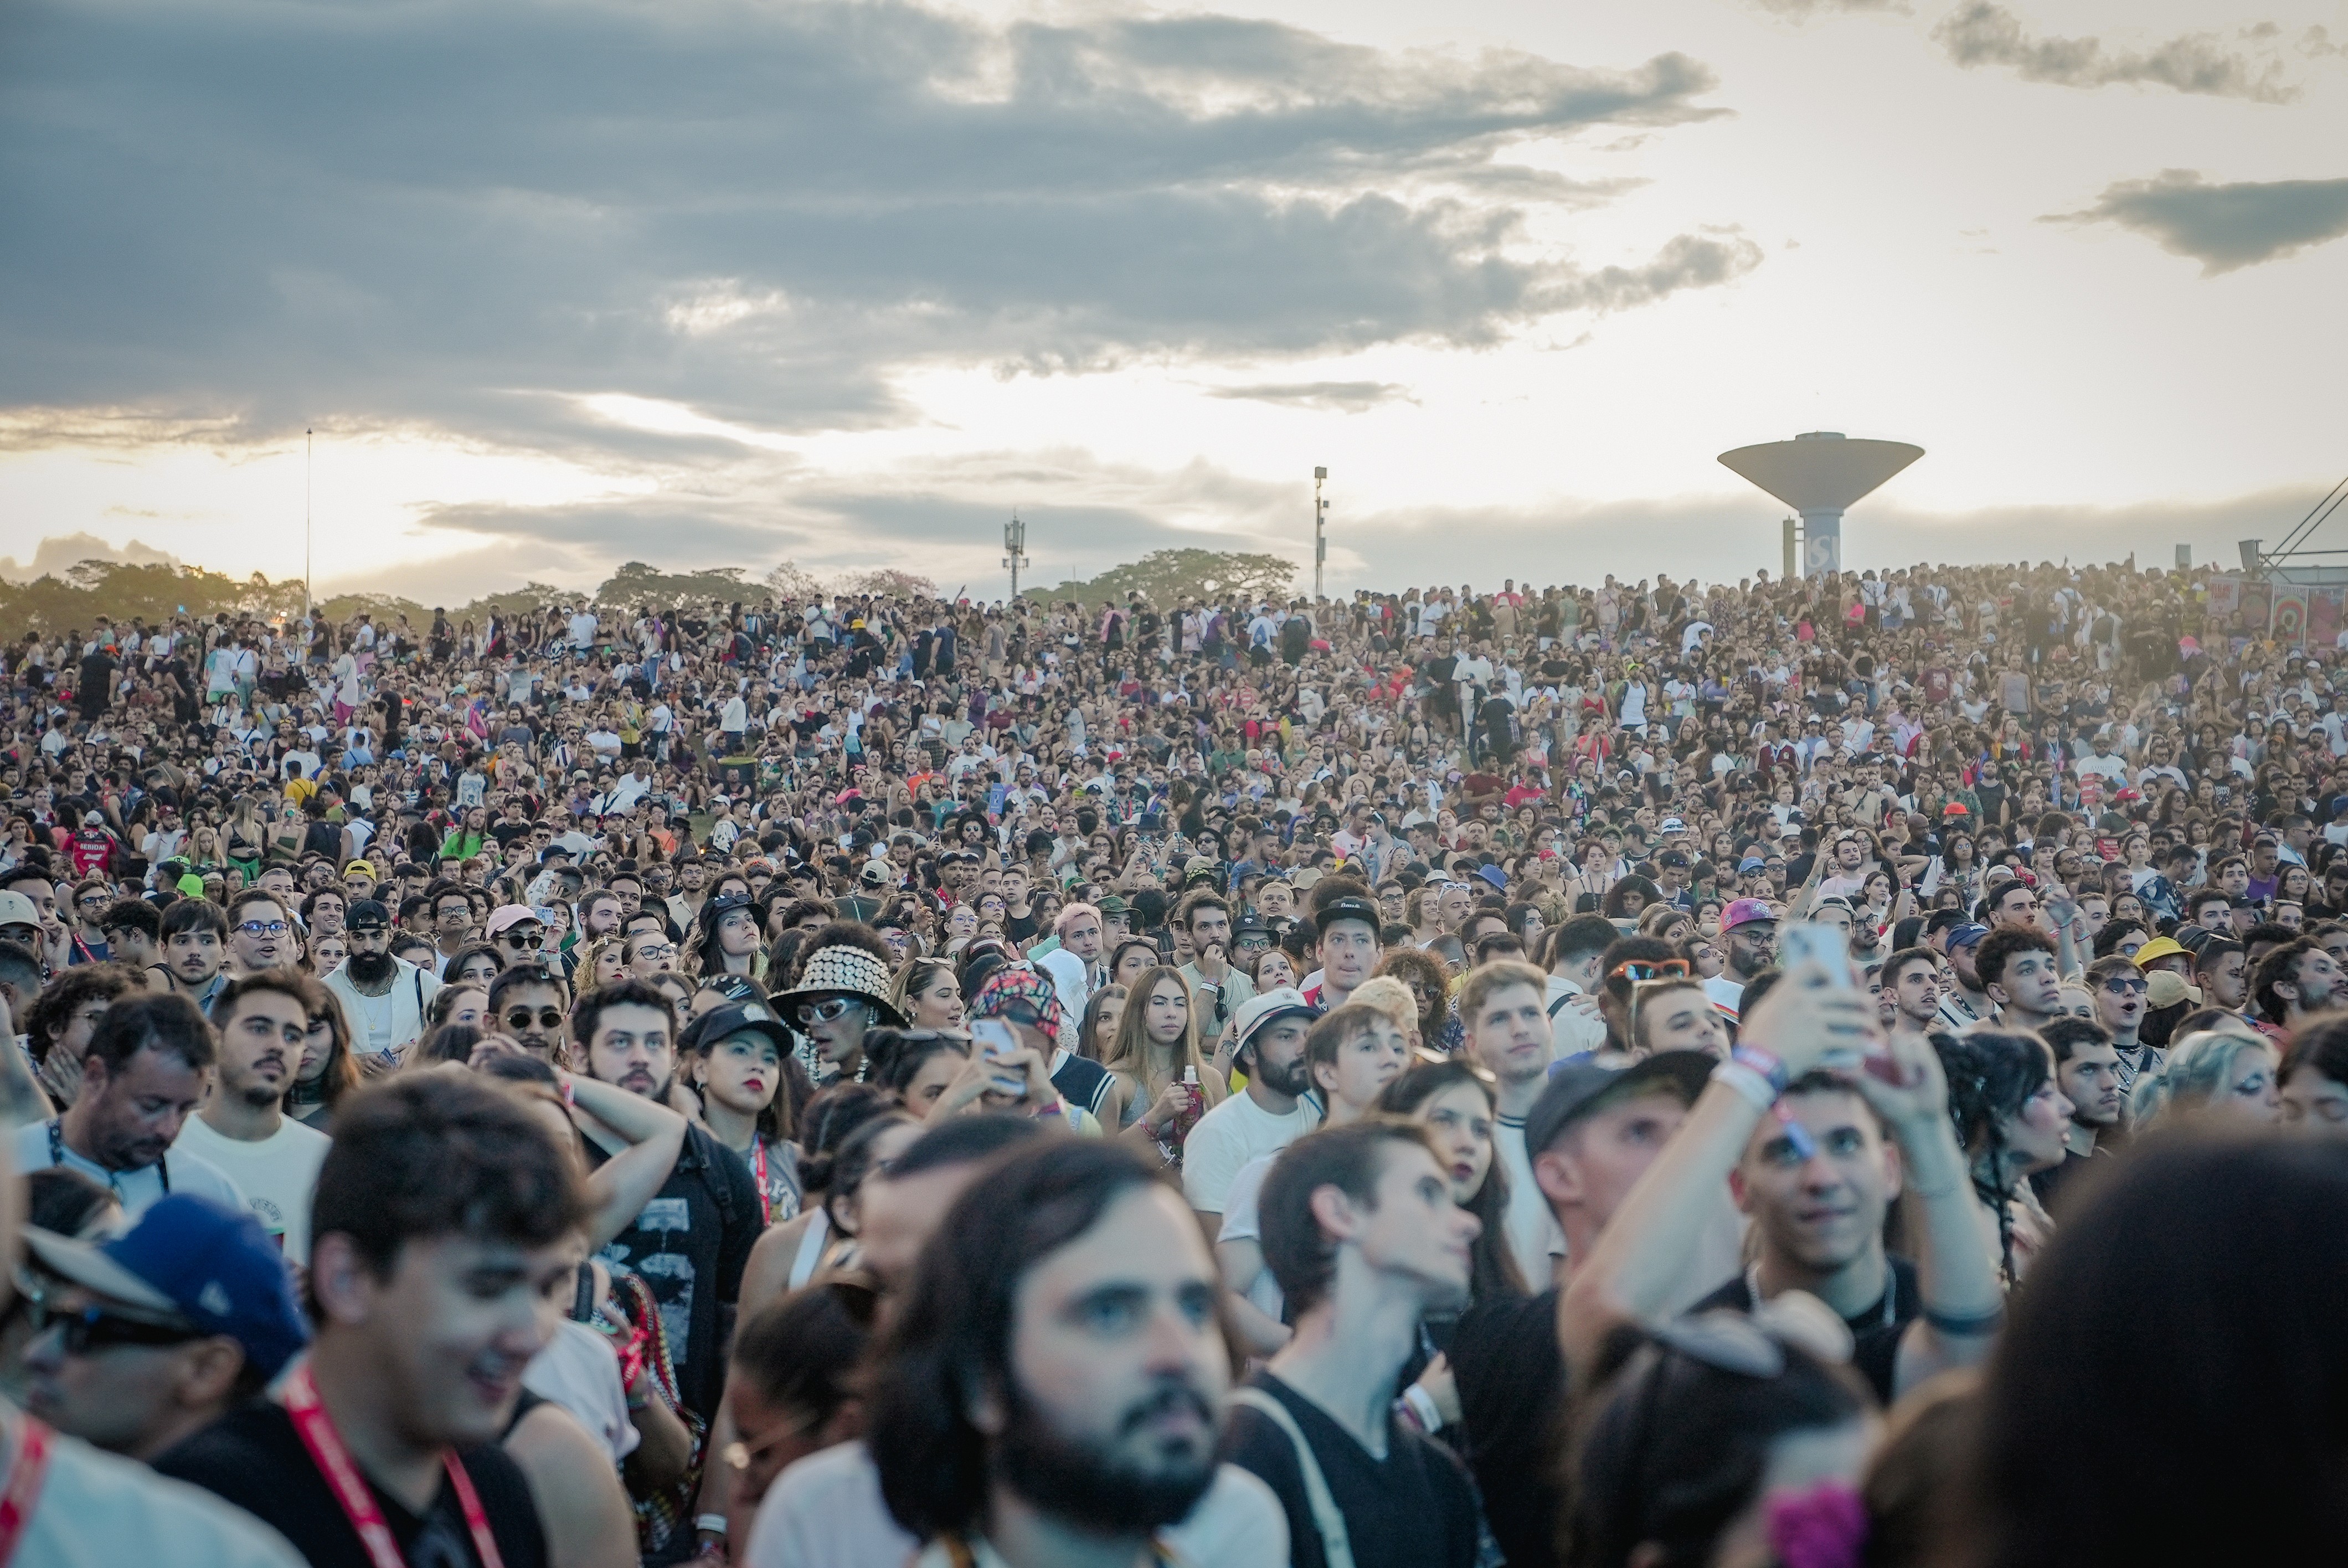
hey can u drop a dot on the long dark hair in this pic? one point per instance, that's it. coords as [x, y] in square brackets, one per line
[951, 1339]
[1991, 1075]
[1492, 1266]
[2225, 1253]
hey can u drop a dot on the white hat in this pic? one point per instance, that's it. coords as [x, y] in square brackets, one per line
[843, 971]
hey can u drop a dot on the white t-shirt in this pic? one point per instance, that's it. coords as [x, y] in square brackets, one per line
[100, 1510]
[580, 1371]
[1228, 1137]
[826, 1512]
[277, 1175]
[1242, 1221]
[140, 1190]
[387, 1022]
[1534, 1235]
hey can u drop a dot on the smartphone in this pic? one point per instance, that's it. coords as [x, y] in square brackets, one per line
[997, 1043]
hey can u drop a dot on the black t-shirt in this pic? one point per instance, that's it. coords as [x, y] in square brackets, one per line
[1875, 1330]
[253, 1457]
[689, 1244]
[1082, 1083]
[1415, 1510]
[1511, 1379]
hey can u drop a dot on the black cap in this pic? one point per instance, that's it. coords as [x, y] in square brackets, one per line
[366, 915]
[1338, 909]
[738, 1018]
[1573, 1087]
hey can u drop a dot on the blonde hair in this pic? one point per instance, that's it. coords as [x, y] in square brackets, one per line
[1129, 1052]
[2199, 1069]
[1392, 997]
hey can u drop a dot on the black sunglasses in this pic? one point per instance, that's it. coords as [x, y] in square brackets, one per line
[94, 1328]
[548, 1018]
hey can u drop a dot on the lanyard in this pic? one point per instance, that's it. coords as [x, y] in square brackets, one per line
[25, 1478]
[759, 1176]
[316, 1431]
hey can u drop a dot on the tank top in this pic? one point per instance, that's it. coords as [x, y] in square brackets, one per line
[811, 1246]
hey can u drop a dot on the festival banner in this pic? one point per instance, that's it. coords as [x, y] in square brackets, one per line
[2323, 606]
[2290, 620]
[2224, 600]
[2257, 605]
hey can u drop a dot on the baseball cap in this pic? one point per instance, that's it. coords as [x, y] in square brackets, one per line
[2167, 987]
[366, 915]
[734, 1018]
[1338, 909]
[197, 1261]
[1672, 824]
[505, 916]
[1495, 876]
[2160, 947]
[1284, 1002]
[1744, 912]
[362, 868]
[93, 819]
[16, 910]
[1751, 863]
[1966, 935]
[1575, 1087]
[877, 873]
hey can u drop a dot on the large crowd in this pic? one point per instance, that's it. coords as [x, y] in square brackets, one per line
[1804, 1072]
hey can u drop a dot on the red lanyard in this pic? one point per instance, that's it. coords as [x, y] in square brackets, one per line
[317, 1429]
[759, 1176]
[25, 1478]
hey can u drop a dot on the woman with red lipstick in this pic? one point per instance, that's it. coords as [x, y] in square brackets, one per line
[738, 1058]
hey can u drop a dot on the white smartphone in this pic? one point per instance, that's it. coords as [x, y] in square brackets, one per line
[1806, 942]
[997, 1043]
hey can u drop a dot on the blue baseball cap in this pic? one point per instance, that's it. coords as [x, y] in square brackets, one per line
[1965, 936]
[195, 1260]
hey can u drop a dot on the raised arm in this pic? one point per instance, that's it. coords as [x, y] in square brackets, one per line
[654, 1136]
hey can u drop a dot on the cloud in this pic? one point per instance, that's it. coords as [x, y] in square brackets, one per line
[2222, 227]
[477, 214]
[61, 552]
[1803, 10]
[1983, 33]
[1345, 396]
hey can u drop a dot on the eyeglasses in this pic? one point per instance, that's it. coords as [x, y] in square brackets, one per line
[1638, 969]
[828, 1011]
[264, 927]
[656, 950]
[94, 1328]
[520, 1017]
[2122, 986]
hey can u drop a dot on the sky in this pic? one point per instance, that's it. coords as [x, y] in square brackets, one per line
[557, 284]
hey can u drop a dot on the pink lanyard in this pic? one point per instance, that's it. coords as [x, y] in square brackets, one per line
[24, 1491]
[317, 1429]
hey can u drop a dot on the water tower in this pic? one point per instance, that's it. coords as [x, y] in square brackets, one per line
[1820, 475]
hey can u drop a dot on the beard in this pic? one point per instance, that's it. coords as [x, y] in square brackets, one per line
[369, 969]
[1101, 1490]
[1294, 1078]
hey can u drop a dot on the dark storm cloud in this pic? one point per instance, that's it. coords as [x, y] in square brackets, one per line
[1982, 34]
[2222, 227]
[444, 213]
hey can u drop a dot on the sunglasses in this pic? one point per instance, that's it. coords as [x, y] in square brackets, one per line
[828, 1011]
[517, 938]
[2122, 986]
[1640, 970]
[94, 1328]
[520, 1017]
[264, 927]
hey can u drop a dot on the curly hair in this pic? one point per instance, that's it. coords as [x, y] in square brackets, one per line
[1991, 1075]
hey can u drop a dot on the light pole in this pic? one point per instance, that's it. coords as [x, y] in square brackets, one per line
[309, 593]
[1014, 550]
[1320, 522]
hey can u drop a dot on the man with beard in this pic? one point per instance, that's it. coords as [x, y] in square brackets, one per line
[262, 1021]
[1052, 1387]
[195, 942]
[1268, 1117]
[260, 935]
[1360, 1231]
[447, 1220]
[2087, 1070]
[691, 1241]
[2293, 983]
[1911, 980]
[1749, 928]
[528, 1003]
[1966, 1003]
[384, 997]
[144, 1069]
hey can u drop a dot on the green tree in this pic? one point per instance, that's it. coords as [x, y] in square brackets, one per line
[1167, 576]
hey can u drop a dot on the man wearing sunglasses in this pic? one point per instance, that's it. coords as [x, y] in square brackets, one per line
[150, 1338]
[517, 933]
[1748, 933]
[529, 1002]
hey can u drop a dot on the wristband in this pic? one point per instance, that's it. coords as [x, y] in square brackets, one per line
[1963, 1324]
[1746, 1082]
[1768, 1064]
[1421, 1405]
[709, 1524]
